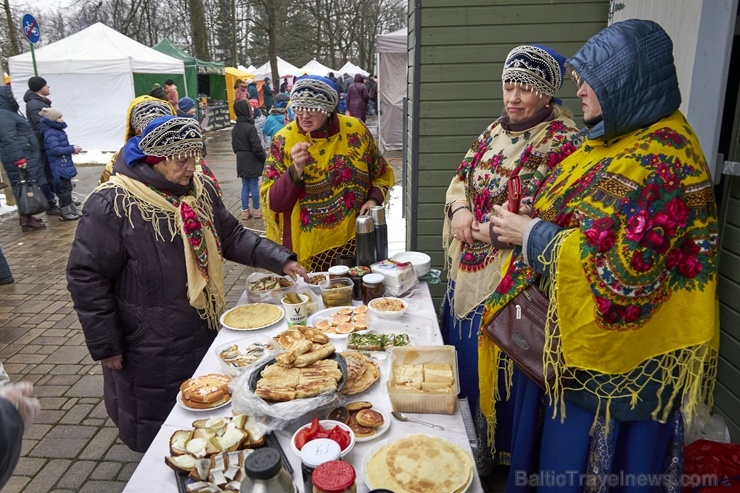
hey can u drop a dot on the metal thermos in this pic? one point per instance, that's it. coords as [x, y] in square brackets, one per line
[265, 473]
[381, 232]
[365, 239]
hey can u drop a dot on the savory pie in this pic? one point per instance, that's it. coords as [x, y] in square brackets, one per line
[252, 316]
[362, 372]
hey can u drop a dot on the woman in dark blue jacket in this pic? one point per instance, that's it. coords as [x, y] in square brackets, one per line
[59, 151]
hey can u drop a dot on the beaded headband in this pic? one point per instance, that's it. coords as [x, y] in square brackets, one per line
[172, 136]
[314, 94]
[534, 66]
[146, 111]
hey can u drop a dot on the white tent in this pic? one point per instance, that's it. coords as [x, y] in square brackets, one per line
[285, 69]
[314, 67]
[91, 75]
[249, 70]
[392, 52]
[352, 69]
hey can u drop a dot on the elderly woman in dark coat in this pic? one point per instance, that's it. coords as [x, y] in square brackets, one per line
[146, 273]
[357, 98]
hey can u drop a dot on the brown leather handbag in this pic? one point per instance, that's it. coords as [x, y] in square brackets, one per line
[519, 330]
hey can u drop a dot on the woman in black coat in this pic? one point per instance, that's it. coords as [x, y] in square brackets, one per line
[146, 273]
[250, 157]
[19, 149]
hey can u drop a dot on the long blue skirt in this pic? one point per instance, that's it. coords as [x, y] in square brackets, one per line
[548, 456]
[463, 334]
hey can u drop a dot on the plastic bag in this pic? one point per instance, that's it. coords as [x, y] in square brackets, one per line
[277, 415]
[706, 426]
[711, 467]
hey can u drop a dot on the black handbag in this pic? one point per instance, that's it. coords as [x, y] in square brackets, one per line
[519, 330]
[31, 199]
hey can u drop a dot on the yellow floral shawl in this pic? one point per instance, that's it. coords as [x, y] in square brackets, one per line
[634, 273]
[342, 170]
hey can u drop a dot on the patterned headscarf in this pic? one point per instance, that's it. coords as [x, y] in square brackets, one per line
[315, 94]
[537, 66]
[164, 137]
[143, 113]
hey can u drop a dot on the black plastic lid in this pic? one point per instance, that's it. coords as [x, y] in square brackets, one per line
[263, 463]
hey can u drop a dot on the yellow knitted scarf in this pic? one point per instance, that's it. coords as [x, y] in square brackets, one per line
[191, 217]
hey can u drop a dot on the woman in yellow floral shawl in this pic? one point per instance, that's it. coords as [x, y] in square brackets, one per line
[532, 125]
[322, 171]
[625, 237]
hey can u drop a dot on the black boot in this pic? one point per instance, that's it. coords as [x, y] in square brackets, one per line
[54, 210]
[69, 213]
[28, 224]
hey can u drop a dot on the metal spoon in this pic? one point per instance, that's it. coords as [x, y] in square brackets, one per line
[403, 417]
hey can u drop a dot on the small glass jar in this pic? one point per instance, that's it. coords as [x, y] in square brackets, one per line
[334, 477]
[338, 271]
[373, 286]
[315, 453]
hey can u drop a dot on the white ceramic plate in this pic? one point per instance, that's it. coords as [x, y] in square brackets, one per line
[376, 447]
[326, 315]
[266, 306]
[380, 429]
[182, 404]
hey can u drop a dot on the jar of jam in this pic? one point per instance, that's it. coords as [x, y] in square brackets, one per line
[373, 286]
[334, 477]
[315, 453]
[338, 271]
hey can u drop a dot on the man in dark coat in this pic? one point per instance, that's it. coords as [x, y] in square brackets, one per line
[36, 99]
[19, 148]
[267, 94]
[135, 281]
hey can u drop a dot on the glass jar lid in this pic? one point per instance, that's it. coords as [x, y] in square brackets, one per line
[373, 278]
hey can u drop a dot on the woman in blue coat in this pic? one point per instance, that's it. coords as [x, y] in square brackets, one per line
[59, 152]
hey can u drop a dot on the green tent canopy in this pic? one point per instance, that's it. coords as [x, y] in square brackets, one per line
[201, 78]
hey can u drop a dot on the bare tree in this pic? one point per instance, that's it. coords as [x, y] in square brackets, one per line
[199, 32]
[13, 48]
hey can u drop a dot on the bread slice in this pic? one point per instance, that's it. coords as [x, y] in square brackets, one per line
[178, 440]
[206, 405]
[182, 464]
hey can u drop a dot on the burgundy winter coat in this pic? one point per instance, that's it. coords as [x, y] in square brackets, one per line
[357, 98]
[129, 291]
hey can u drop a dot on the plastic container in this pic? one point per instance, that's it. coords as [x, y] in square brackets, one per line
[400, 277]
[258, 293]
[338, 271]
[409, 400]
[315, 453]
[337, 292]
[314, 278]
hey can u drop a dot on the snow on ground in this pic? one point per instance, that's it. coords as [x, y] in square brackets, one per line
[4, 207]
[92, 157]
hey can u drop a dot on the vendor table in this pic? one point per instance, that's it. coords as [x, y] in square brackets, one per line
[421, 324]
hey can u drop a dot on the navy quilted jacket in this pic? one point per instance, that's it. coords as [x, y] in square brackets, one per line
[630, 68]
[58, 149]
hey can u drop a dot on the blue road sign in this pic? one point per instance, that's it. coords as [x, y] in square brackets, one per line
[31, 29]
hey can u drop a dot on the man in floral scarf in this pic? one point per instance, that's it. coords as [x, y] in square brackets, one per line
[146, 273]
[625, 236]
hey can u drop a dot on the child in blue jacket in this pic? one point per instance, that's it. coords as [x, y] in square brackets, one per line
[59, 152]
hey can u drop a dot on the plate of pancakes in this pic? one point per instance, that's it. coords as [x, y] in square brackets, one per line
[412, 463]
[204, 393]
[340, 321]
[367, 421]
[252, 316]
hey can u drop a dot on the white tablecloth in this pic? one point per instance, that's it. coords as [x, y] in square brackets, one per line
[420, 322]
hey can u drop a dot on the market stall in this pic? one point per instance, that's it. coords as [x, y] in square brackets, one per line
[418, 322]
[232, 74]
[204, 82]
